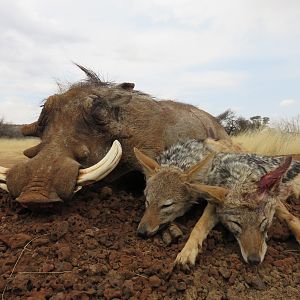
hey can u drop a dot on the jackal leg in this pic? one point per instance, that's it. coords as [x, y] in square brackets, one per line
[188, 254]
[292, 221]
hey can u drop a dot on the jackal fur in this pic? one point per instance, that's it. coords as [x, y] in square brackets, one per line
[171, 191]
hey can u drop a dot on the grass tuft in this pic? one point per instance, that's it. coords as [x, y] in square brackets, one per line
[269, 141]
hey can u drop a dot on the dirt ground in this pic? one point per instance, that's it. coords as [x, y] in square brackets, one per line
[88, 249]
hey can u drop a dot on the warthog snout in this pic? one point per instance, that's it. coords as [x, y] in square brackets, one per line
[41, 198]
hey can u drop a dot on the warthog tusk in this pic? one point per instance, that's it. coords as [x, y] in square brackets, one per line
[2, 177]
[77, 189]
[3, 170]
[103, 167]
[3, 186]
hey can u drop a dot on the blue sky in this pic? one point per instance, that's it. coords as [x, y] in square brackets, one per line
[243, 55]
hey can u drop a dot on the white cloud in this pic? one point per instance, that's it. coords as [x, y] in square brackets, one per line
[171, 48]
[18, 111]
[287, 103]
[212, 79]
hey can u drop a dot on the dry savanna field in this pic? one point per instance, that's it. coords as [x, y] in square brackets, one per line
[11, 150]
[88, 248]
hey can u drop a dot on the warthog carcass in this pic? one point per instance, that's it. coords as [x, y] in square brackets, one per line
[77, 128]
[244, 191]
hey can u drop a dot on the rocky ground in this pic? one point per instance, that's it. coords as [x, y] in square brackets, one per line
[88, 249]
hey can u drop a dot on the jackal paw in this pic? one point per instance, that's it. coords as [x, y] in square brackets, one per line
[171, 234]
[187, 257]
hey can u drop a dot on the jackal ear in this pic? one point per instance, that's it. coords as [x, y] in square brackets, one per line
[149, 165]
[192, 172]
[273, 178]
[216, 194]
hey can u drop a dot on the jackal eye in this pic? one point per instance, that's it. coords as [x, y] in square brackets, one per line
[264, 225]
[167, 204]
[234, 227]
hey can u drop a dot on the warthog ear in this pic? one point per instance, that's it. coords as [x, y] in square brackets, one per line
[217, 195]
[150, 166]
[30, 129]
[273, 178]
[192, 172]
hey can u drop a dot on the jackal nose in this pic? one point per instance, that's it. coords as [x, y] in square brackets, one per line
[254, 259]
[142, 230]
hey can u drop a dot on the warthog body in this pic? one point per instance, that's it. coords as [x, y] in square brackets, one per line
[231, 182]
[78, 126]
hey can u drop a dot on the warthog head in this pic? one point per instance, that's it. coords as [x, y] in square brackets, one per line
[77, 128]
[168, 193]
[247, 209]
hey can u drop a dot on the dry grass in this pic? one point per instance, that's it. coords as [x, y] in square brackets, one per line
[11, 150]
[269, 142]
[266, 142]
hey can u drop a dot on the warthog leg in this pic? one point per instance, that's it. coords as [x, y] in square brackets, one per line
[193, 246]
[293, 222]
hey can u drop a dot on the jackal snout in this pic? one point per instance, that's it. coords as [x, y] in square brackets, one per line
[254, 259]
[253, 245]
[149, 224]
[145, 231]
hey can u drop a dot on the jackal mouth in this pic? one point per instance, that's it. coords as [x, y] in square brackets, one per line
[159, 228]
[163, 226]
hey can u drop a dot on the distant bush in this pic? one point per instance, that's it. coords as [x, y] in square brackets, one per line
[234, 124]
[9, 130]
[289, 125]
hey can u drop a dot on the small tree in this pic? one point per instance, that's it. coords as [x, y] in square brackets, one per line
[234, 124]
[9, 130]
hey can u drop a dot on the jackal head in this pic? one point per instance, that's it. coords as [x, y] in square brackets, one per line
[247, 209]
[167, 193]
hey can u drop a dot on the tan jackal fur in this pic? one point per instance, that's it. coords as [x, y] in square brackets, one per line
[247, 213]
